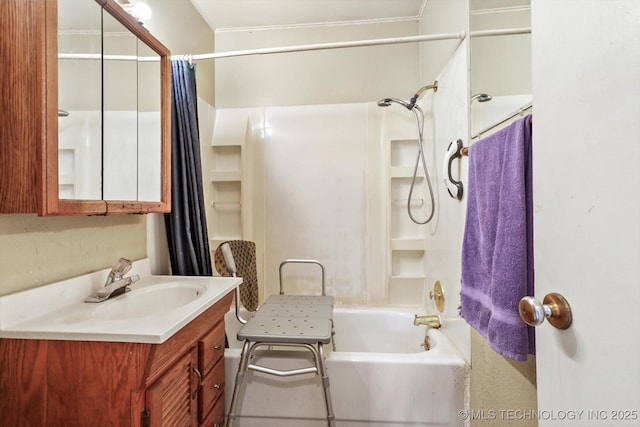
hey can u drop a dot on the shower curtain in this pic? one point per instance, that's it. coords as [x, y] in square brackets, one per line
[186, 223]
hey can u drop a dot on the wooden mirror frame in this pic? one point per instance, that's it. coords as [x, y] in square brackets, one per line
[50, 203]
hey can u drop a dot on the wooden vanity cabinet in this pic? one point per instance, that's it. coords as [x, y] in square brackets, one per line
[90, 383]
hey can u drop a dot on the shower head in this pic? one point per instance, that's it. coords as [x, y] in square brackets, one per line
[387, 102]
[481, 97]
[412, 102]
[420, 91]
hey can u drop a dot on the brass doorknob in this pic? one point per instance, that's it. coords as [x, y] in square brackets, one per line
[554, 308]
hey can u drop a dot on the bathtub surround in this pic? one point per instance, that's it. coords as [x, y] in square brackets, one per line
[323, 169]
[497, 250]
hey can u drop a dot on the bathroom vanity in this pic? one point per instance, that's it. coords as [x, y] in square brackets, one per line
[108, 364]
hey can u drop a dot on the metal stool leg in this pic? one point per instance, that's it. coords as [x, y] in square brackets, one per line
[325, 386]
[333, 336]
[242, 369]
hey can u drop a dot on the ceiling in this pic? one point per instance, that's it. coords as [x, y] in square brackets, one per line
[234, 14]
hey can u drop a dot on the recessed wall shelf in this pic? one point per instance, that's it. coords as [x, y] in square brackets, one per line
[403, 172]
[227, 176]
[406, 240]
[410, 244]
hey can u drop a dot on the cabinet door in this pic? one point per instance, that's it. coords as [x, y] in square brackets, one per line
[172, 400]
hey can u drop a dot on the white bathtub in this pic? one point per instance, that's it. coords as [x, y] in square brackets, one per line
[379, 375]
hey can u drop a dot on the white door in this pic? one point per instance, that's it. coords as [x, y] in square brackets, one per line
[586, 92]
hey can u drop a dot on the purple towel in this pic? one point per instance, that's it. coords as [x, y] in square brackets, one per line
[497, 249]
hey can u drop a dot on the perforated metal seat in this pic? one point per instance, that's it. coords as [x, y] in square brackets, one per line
[295, 310]
[303, 321]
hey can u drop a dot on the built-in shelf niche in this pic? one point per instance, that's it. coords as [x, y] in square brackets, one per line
[227, 157]
[401, 225]
[227, 209]
[406, 240]
[407, 263]
[402, 152]
[402, 159]
[227, 176]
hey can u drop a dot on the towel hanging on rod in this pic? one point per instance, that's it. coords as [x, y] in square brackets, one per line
[497, 248]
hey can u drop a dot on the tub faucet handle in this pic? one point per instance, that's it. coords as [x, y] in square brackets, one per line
[437, 295]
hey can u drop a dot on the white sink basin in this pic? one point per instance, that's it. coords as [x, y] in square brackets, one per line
[149, 301]
[154, 309]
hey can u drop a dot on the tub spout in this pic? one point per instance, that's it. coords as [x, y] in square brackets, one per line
[430, 320]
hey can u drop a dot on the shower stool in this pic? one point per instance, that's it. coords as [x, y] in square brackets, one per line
[303, 321]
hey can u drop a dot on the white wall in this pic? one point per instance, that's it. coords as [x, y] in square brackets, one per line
[320, 77]
[180, 27]
[501, 65]
[441, 16]
[316, 196]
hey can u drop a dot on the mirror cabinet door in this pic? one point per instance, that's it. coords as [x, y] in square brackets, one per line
[119, 111]
[79, 108]
[149, 125]
[114, 124]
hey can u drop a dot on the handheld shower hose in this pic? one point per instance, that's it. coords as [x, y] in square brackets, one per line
[420, 159]
[419, 115]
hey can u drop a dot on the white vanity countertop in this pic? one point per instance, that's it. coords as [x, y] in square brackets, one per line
[57, 311]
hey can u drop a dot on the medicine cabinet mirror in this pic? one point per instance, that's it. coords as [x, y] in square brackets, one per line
[113, 145]
[500, 65]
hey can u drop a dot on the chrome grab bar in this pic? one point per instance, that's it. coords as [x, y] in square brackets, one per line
[300, 261]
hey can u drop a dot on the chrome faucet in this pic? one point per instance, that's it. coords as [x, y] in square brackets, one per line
[118, 270]
[431, 320]
[116, 284]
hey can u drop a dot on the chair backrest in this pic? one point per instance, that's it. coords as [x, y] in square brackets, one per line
[244, 258]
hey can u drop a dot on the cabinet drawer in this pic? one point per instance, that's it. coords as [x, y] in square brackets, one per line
[212, 388]
[216, 416]
[211, 348]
